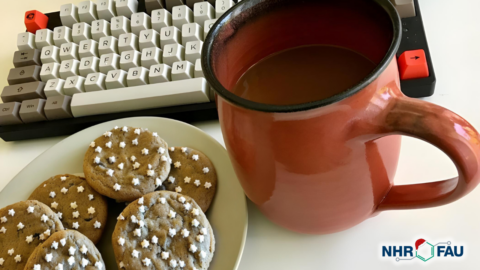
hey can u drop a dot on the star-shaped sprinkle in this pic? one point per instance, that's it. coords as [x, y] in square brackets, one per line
[137, 232]
[150, 173]
[3, 230]
[181, 199]
[195, 223]
[137, 131]
[108, 145]
[187, 180]
[11, 212]
[44, 218]
[11, 251]
[172, 232]
[59, 266]
[136, 165]
[60, 215]
[181, 264]
[54, 245]
[98, 149]
[47, 233]
[154, 239]
[3, 219]
[141, 209]
[141, 224]
[49, 257]
[145, 243]
[135, 182]
[141, 200]
[195, 211]
[203, 254]
[133, 158]
[84, 262]
[121, 241]
[125, 129]
[178, 189]
[121, 217]
[97, 225]
[163, 158]
[36, 267]
[71, 260]
[20, 226]
[64, 190]
[208, 185]
[155, 134]
[146, 261]
[53, 194]
[1, 261]
[172, 214]
[162, 200]
[165, 255]
[18, 258]
[200, 238]
[144, 151]
[187, 206]
[177, 164]
[122, 145]
[91, 210]
[84, 250]
[63, 178]
[117, 187]
[197, 183]
[73, 205]
[206, 170]
[107, 134]
[91, 197]
[158, 182]
[120, 166]
[173, 263]
[116, 127]
[42, 237]
[112, 159]
[195, 157]
[161, 150]
[80, 189]
[110, 172]
[63, 241]
[170, 160]
[184, 149]
[134, 219]
[135, 253]
[30, 209]
[29, 239]
[75, 225]
[92, 144]
[72, 250]
[96, 160]
[135, 142]
[121, 265]
[171, 179]
[172, 149]
[149, 166]
[185, 233]
[76, 214]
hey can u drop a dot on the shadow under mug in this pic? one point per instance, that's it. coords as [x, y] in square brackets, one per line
[325, 166]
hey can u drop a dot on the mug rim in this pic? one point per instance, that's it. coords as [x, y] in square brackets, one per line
[263, 107]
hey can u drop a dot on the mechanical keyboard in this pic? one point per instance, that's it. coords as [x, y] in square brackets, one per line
[102, 60]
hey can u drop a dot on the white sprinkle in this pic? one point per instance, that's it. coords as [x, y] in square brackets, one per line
[98, 149]
[96, 160]
[125, 129]
[208, 185]
[172, 214]
[121, 217]
[97, 225]
[80, 189]
[195, 212]
[187, 179]
[63, 178]
[141, 224]
[141, 200]
[135, 142]
[121, 241]
[203, 254]
[122, 145]
[193, 248]
[54, 205]
[181, 199]
[30, 209]
[150, 166]
[121, 265]
[107, 134]
[3, 230]
[29, 239]
[117, 187]
[172, 232]
[73, 205]
[185, 233]
[136, 165]
[49, 257]
[18, 258]
[108, 145]
[75, 225]
[64, 190]
[187, 206]
[47, 233]
[141, 209]
[11, 251]
[54, 245]
[150, 173]
[99, 265]
[112, 159]
[200, 238]
[20, 226]
[177, 164]
[195, 157]
[178, 189]
[184, 149]
[173, 263]
[197, 183]
[90, 197]
[137, 232]
[92, 144]
[135, 182]
[171, 179]
[72, 250]
[44, 218]
[163, 158]
[59, 267]
[195, 223]
[3, 219]
[91, 210]
[172, 148]
[134, 219]
[170, 160]
[63, 241]
[165, 255]
[116, 127]
[144, 151]
[203, 231]
[145, 243]
[161, 150]
[146, 261]
[154, 239]
[110, 172]
[206, 170]
[53, 194]
[84, 262]
[162, 200]
[71, 260]
[137, 131]
[120, 166]
[84, 250]
[181, 264]
[155, 134]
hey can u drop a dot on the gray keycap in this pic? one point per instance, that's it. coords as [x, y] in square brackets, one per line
[9, 114]
[26, 58]
[154, 4]
[171, 3]
[405, 8]
[33, 110]
[191, 3]
[24, 91]
[24, 74]
[58, 107]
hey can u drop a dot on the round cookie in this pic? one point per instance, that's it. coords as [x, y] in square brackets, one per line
[23, 226]
[126, 163]
[77, 204]
[163, 230]
[193, 174]
[66, 250]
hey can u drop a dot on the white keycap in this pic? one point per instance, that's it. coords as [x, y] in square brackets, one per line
[100, 28]
[140, 97]
[110, 61]
[137, 76]
[26, 41]
[50, 54]
[140, 21]
[108, 45]
[106, 9]
[127, 42]
[193, 51]
[61, 35]
[120, 25]
[181, 15]
[81, 31]
[151, 56]
[182, 70]
[73, 85]
[126, 7]
[221, 6]
[148, 38]
[43, 37]
[116, 79]
[161, 18]
[88, 65]
[160, 73]
[69, 68]
[87, 48]
[173, 53]
[129, 59]
[191, 32]
[170, 35]
[198, 71]
[87, 11]
[69, 15]
[69, 51]
[203, 11]
[172, 3]
[49, 71]
[207, 26]
[54, 87]
[95, 82]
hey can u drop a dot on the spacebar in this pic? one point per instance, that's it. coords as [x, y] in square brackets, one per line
[140, 97]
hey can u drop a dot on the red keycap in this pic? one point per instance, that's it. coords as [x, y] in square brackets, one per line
[35, 20]
[413, 65]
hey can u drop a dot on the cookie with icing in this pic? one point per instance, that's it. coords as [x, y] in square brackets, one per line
[126, 163]
[77, 204]
[66, 249]
[163, 230]
[23, 226]
[193, 174]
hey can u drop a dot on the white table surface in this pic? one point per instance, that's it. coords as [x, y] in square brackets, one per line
[453, 30]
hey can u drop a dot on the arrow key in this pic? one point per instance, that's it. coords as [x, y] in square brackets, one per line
[413, 65]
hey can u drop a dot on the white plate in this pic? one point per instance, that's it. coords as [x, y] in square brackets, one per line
[227, 214]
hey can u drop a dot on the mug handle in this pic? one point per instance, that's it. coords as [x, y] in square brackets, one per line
[450, 133]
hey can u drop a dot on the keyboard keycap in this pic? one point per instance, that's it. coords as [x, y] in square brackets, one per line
[405, 8]
[54, 87]
[170, 35]
[69, 68]
[26, 41]
[58, 107]
[88, 65]
[221, 6]
[43, 37]
[88, 48]
[141, 97]
[203, 11]
[191, 32]
[413, 65]
[193, 51]
[127, 42]
[106, 9]
[151, 5]
[74, 85]
[50, 54]
[207, 26]
[109, 62]
[173, 53]
[172, 3]
[181, 15]
[120, 25]
[107, 45]
[69, 51]
[49, 71]
[69, 15]
[148, 38]
[182, 71]
[140, 21]
[24, 75]
[9, 114]
[161, 18]
[160, 73]
[24, 91]
[116, 79]
[198, 71]
[129, 59]
[126, 7]
[61, 35]
[33, 110]
[87, 11]
[100, 28]
[191, 3]
[81, 31]
[95, 82]
[26, 58]
[35, 20]
[151, 56]
[137, 76]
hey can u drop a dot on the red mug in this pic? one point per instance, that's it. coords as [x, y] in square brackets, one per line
[325, 166]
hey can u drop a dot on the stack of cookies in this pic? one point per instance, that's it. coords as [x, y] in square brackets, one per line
[164, 226]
